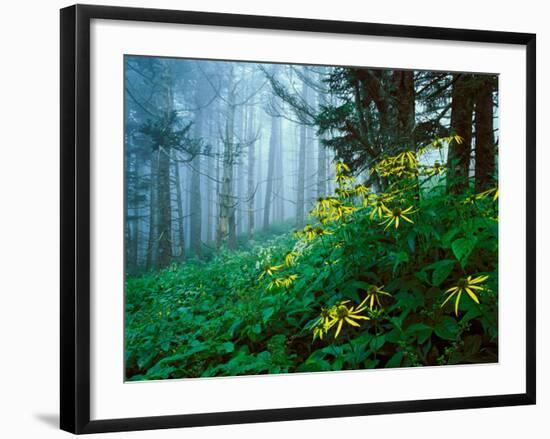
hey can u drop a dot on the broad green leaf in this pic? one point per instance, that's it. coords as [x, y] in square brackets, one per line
[462, 248]
[395, 360]
[447, 328]
[377, 342]
[442, 271]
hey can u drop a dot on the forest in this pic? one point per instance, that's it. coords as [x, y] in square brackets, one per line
[301, 218]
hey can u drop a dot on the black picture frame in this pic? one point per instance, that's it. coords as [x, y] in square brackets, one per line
[75, 217]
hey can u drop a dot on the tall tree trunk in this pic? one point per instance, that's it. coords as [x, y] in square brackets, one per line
[164, 180]
[164, 210]
[458, 159]
[321, 170]
[226, 225]
[164, 232]
[180, 252]
[278, 175]
[403, 82]
[251, 165]
[132, 213]
[300, 196]
[152, 246]
[485, 144]
[273, 145]
[273, 142]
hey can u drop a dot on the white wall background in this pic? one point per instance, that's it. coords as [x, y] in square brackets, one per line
[29, 249]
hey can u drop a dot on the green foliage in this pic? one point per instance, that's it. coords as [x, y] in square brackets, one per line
[280, 305]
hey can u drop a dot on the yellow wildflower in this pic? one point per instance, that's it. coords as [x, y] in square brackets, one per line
[290, 257]
[341, 313]
[488, 192]
[373, 296]
[393, 216]
[270, 269]
[466, 285]
[283, 282]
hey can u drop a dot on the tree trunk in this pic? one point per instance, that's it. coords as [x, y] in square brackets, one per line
[152, 246]
[273, 142]
[251, 165]
[278, 175]
[226, 225]
[164, 210]
[404, 100]
[458, 158]
[180, 252]
[485, 144]
[300, 196]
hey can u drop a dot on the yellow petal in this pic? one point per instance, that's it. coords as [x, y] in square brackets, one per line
[339, 328]
[351, 322]
[478, 279]
[472, 295]
[457, 302]
[447, 299]
[359, 317]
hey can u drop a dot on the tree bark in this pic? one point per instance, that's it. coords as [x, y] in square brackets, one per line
[300, 196]
[180, 249]
[226, 224]
[273, 141]
[152, 246]
[251, 168]
[485, 144]
[458, 158]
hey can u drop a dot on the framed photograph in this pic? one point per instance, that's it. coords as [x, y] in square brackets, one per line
[268, 218]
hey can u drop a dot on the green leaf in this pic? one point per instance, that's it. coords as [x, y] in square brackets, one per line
[377, 342]
[267, 313]
[462, 248]
[228, 347]
[471, 314]
[420, 330]
[447, 328]
[442, 271]
[399, 258]
[448, 237]
[395, 360]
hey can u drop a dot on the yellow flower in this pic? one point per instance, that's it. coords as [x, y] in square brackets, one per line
[439, 142]
[344, 193]
[393, 216]
[485, 194]
[290, 257]
[436, 169]
[407, 158]
[466, 285]
[312, 232]
[361, 190]
[379, 206]
[283, 282]
[323, 324]
[270, 269]
[341, 167]
[342, 210]
[309, 233]
[341, 313]
[373, 296]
